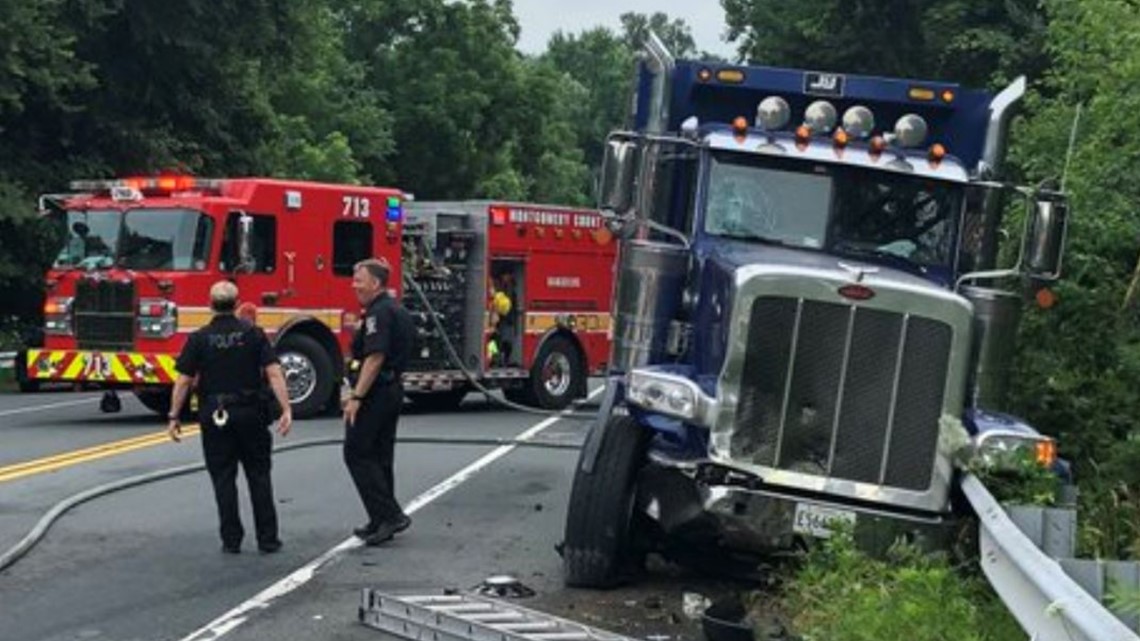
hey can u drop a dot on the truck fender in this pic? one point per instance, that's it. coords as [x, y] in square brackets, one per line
[317, 330]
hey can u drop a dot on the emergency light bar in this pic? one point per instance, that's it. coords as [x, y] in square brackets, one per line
[165, 184]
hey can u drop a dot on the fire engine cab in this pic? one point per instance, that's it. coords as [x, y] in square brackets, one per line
[521, 292]
[139, 255]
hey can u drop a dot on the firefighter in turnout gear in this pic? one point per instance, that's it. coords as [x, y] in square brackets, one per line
[381, 349]
[232, 359]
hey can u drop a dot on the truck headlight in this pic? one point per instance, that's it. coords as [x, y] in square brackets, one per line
[58, 318]
[666, 394]
[992, 448]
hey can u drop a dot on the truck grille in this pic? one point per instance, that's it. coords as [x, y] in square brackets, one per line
[104, 315]
[843, 392]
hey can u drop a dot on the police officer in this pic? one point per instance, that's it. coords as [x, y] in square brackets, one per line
[381, 348]
[232, 359]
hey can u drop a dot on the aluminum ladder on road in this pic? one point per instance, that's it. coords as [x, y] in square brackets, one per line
[468, 617]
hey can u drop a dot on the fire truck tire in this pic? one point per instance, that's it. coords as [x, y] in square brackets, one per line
[557, 376]
[602, 548]
[308, 370]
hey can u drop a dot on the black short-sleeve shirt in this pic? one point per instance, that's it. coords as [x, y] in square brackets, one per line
[228, 355]
[387, 329]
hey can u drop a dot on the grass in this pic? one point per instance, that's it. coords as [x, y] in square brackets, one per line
[840, 594]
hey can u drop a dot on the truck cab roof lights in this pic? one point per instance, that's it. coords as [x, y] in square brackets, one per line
[910, 131]
[858, 122]
[820, 117]
[773, 113]
[841, 138]
[937, 153]
[740, 127]
[877, 145]
[162, 184]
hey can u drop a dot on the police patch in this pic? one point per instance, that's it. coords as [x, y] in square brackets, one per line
[370, 325]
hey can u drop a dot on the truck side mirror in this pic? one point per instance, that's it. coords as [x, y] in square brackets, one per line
[245, 242]
[1045, 235]
[619, 165]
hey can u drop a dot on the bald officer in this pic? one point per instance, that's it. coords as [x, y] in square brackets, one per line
[232, 359]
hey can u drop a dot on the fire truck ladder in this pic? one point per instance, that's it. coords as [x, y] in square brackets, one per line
[468, 617]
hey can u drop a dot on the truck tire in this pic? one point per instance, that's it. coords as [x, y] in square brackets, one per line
[601, 546]
[308, 371]
[557, 375]
[439, 401]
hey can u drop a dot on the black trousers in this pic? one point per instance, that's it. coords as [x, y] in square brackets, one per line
[369, 450]
[244, 440]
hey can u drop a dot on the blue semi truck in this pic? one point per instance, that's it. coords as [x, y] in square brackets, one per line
[810, 320]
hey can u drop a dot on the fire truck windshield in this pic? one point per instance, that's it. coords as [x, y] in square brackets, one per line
[839, 209]
[92, 238]
[145, 238]
[165, 240]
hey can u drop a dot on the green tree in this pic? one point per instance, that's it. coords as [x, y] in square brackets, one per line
[675, 33]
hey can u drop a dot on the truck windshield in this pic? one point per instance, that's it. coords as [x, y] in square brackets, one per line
[92, 238]
[842, 210]
[165, 240]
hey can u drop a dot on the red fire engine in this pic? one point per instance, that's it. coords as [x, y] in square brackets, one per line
[551, 271]
[131, 282]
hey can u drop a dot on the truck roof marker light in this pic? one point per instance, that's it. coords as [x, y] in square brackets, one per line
[877, 145]
[947, 96]
[910, 131]
[730, 76]
[704, 75]
[603, 235]
[840, 138]
[936, 154]
[740, 128]
[773, 113]
[925, 94]
[803, 135]
[858, 122]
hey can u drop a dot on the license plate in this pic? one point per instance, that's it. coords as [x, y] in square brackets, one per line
[819, 521]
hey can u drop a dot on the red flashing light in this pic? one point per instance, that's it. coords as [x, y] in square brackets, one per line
[498, 216]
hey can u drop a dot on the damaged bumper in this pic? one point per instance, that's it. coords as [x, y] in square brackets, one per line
[744, 515]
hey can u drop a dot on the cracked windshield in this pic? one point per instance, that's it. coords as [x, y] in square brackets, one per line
[850, 211]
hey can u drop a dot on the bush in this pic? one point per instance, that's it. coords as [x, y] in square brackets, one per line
[841, 594]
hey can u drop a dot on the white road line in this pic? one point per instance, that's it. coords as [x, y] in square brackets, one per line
[229, 621]
[49, 406]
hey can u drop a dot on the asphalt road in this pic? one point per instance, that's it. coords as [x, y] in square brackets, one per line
[145, 563]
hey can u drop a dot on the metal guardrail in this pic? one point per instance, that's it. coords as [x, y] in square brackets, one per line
[1047, 604]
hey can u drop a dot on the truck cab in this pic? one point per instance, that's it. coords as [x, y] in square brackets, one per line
[810, 324]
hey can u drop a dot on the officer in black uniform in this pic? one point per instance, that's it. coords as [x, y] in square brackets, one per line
[382, 346]
[232, 359]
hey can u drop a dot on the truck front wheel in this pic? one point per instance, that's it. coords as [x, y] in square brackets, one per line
[601, 543]
[308, 371]
[556, 377]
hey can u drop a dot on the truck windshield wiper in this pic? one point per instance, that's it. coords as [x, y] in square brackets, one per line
[764, 240]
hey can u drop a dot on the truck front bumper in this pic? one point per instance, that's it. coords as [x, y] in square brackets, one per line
[103, 368]
[764, 519]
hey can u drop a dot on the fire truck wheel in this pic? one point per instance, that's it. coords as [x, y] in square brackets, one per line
[601, 547]
[308, 371]
[557, 374]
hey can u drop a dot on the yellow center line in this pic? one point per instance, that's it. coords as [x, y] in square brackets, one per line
[68, 459]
